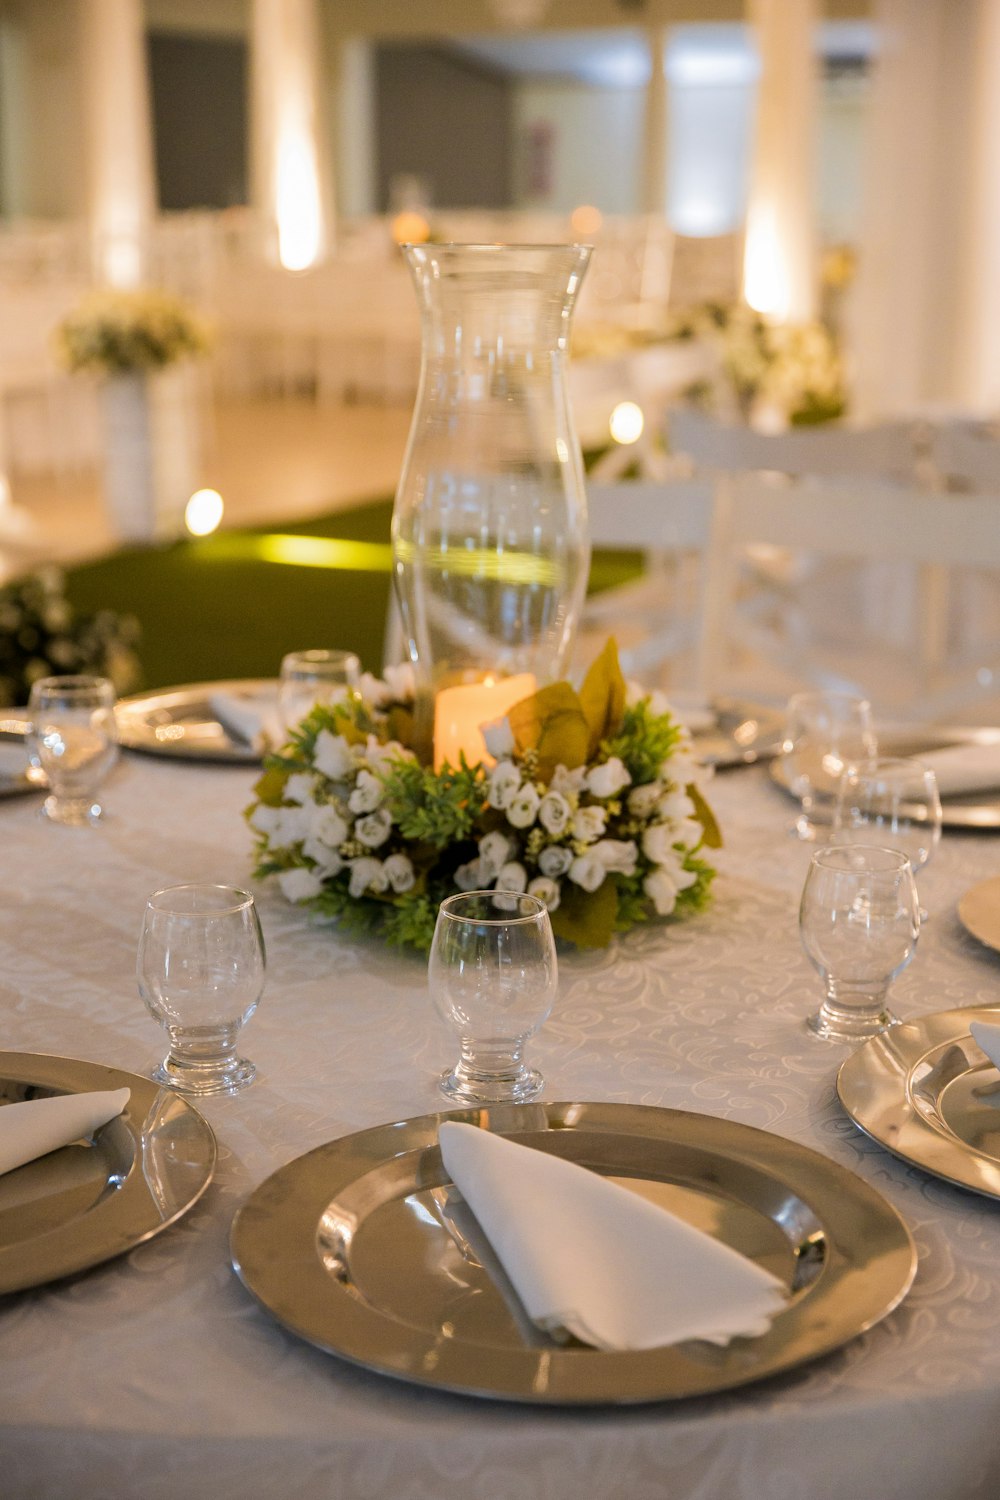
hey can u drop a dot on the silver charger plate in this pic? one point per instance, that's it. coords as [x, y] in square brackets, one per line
[969, 810]
[356, 1248]
[979, 912]
[14, 778]
[926, 1092]
[97, 1198]
[179, 722]
[742, 734]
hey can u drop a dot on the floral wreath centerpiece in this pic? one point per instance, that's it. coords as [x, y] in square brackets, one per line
[589, 800]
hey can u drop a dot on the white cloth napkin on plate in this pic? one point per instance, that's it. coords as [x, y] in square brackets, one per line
[986, 1034]
[250, 717]
[964, 768]
[590, 1258]
[37, 1126]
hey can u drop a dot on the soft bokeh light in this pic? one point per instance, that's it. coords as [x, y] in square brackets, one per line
[410, 228]
[626, 422]
[203, 512]
[298, 209]
[766, 276]
[586, 219]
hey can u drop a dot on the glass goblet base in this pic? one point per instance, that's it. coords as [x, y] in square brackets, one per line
[469, 1086]
[833, 1024]
[72, 812]
[201, 1078]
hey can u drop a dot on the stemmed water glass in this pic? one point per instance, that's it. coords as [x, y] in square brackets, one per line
[493, 977]
[824, 733]
[74, 738]
[200, 970]
[859, 924]
[891, 801]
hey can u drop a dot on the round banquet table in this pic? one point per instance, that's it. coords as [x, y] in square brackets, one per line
[158, 1375]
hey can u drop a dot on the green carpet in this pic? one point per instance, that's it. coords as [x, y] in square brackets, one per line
[232, 604]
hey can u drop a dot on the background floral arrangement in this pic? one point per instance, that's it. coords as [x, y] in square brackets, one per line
[40, 636]
[593, 804]
[115, 331]
[794, 369]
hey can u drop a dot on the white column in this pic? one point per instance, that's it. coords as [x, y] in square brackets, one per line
[925, 315]
[121, 192]
[355, 156]
[289, 178]
[655, 155]
[779, 265]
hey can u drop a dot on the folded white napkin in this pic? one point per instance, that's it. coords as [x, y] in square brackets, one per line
[986, 1034]
[964, 768]
[591, 1258]
[250, 717]
[37, 1126]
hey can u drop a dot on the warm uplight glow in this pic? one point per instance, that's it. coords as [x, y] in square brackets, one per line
[410, 228]
[203, 512]
[5, 495]
[766, 284]
[297, 206]
[586, 219]
[626, 422]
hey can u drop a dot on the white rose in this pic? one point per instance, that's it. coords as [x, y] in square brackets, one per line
[554, 812]
[568, 783]
[673, 867]
[266, 820]
[498, 738]
[299, 787]
[378, 755]
[373, 690]
[658, 842]
[367, 794]
[399, 872]
[293, 825]
[367, 874]
[689, 833]
[555, 861]
[374, 829]
[505, 779]
[326, 824]
[587, 872]
[494, 850]
[473, 877]
[660, 705]
[299, 884]
[675, 804]
[634, 692]
[522, 809]
[661, 891]
[545, 890]
[589, 823]
[618, 855]
[643, 799]
[332, 755]
[401, 680]
[607, 779]
[513, 877]
[328, 861]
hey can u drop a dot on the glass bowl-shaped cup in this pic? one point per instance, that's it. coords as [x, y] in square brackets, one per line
[892, 801]
[859, 922]
[311, 677]
[493, 978]
[74, 740]
[200, 970]
[824, 733]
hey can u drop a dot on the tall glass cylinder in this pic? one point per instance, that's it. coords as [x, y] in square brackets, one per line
[490, 532]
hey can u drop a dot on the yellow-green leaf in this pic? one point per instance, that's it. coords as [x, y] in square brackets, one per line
[587, 918]
[712, 835]
[602, 697]
[269, 788]
[551, 723]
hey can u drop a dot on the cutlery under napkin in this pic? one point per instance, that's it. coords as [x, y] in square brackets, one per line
[251, 718]
[986, 1035]
[37, 1126]
[590, 1258]
[964, 768]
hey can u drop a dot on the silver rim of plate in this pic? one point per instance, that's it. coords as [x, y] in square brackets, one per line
[180, 723]
[979, 912]
[742, 734]
[969, 810]
[95, 1199]
[926, 1092]
[353, 1247]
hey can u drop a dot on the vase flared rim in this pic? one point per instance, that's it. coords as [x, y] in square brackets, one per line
[493, 245]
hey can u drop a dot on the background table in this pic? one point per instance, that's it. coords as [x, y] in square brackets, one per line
[157, 1375]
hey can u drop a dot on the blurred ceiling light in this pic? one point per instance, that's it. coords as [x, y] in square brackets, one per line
[586, 219]
[410, 228]
[626, 423]
[766, 279]
[203, 512]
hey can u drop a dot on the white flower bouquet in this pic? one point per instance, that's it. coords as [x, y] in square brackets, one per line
[112, 331]
[593, 804]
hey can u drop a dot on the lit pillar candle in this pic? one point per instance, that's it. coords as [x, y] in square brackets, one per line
[460, 711]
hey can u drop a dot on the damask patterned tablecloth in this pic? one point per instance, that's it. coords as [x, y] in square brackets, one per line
[158, 1375]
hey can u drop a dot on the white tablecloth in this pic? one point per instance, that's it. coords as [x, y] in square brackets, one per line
[157, 1375]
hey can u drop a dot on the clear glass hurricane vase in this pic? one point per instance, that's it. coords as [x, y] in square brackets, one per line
[490, 536]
